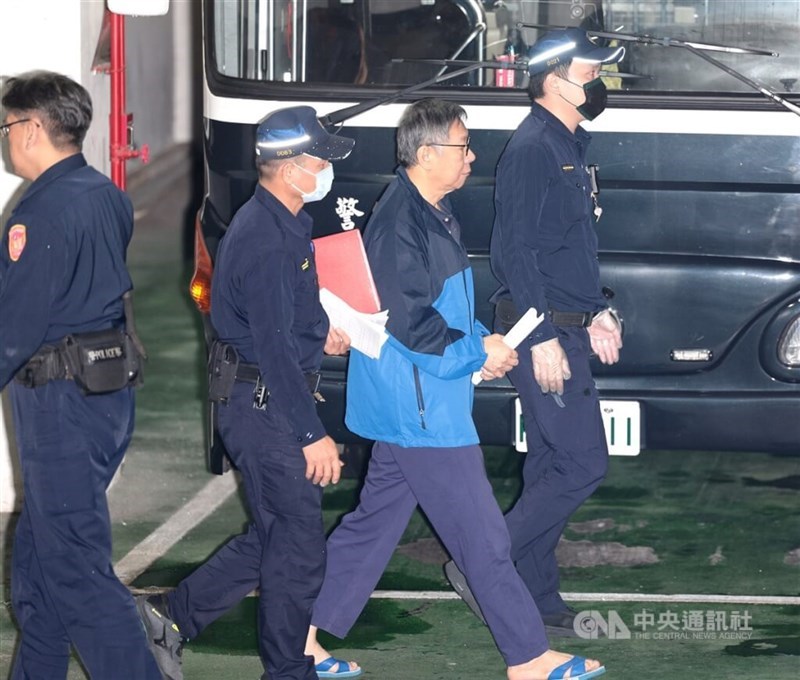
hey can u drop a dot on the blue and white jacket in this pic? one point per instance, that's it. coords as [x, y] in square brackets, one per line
[418, 392]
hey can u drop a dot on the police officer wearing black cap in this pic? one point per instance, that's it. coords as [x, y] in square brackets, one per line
[544, 253]
[70, 368]
[272, 333]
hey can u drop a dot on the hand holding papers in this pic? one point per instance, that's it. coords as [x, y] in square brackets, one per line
[519, 331]
[367, 331]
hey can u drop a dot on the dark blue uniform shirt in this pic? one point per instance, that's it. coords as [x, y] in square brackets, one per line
[265, 302]
[544, 244]
[63, 269]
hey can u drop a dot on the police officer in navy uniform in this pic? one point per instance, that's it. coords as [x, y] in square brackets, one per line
[272, 333]
[63, 274]
[544, 254]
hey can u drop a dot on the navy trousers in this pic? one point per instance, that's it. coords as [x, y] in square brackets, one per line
[451, 487]
[63, 587]
[566, 461]
[282, 553]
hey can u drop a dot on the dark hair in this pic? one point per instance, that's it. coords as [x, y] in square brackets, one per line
[267, 169]
[536, 81]
[64, 106]
[425, 121]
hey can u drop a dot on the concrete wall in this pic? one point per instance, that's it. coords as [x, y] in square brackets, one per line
[61, 35]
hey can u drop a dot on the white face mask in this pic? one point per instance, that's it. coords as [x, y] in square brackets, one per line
[324, 180]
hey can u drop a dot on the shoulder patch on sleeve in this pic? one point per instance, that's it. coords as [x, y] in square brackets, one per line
[17, 236]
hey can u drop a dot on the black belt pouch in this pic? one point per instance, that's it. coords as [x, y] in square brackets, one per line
[223, 362]
[102, 361]
[506, 313]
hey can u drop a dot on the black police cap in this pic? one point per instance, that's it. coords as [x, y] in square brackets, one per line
[295, 130]
[559, 46]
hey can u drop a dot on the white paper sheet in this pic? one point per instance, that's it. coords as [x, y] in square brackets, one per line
[367, 331]
[519, 331]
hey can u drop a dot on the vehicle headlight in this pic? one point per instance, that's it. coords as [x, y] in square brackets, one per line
[789, 344]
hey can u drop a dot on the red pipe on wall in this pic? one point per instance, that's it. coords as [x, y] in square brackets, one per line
[120, 122]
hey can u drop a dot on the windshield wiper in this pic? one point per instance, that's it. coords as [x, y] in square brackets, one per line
[697, 48]
[341, 115]
[515, 65]
[336, 117]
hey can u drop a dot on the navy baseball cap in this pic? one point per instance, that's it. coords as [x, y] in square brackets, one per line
[295, 130]
[559, 46]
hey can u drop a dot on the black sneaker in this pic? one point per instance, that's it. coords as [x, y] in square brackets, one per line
[459, 583]
[163, 638]
[561, 623]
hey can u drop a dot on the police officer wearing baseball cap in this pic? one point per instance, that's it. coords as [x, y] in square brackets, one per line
[544, 253]
[272, 333]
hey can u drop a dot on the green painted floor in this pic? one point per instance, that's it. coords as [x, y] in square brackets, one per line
[662, 523]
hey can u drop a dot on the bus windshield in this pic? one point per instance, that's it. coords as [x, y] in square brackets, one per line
[387, 42]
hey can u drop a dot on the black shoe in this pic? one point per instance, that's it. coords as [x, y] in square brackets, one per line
[459, 583]
[560, 624]
[163, 637]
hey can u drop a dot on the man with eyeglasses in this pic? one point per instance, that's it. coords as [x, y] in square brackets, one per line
[5, 129]
[63, 277]
[415, 401]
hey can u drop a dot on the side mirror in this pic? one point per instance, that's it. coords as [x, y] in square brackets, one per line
[142, 8]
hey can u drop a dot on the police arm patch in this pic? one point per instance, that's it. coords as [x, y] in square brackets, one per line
[17, 237]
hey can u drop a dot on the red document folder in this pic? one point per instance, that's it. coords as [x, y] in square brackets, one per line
[343, 269]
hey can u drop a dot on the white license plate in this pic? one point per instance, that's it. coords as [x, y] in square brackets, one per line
[622, 421]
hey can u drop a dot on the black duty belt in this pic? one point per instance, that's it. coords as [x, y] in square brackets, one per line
[97, 361]
[507, 313]
[582, 319]
[47, 364]
[249, 373]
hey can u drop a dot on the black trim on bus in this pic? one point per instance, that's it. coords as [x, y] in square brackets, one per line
[720, 187]
[644, 185]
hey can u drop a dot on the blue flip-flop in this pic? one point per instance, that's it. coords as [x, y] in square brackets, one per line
[323, 669]
[577, 664]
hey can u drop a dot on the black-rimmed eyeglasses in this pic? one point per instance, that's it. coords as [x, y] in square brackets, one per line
[463, 146]
[4, 129]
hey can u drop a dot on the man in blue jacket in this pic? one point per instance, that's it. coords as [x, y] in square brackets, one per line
[415, 401]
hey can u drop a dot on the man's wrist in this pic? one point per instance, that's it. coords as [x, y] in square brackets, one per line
[544, 331]
[613, 315]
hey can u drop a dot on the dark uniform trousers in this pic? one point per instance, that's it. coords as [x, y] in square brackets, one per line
[282, 553]
[63, 588]
[566, 461]
[450, 486]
